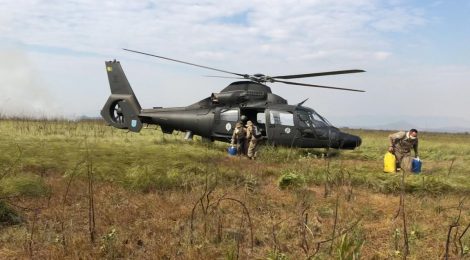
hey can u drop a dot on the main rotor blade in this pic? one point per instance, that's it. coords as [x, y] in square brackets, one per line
[317, 86]
[188, 63]
[224, 77]
[326, 73]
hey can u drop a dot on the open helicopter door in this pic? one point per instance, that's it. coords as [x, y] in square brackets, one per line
[257, 116]
[281, 129]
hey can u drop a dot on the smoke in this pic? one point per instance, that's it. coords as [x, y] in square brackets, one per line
[23, 92]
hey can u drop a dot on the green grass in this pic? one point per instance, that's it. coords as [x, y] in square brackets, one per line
[23, 185]
[150, 160]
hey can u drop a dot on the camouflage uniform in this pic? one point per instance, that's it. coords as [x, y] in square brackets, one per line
[402, 144]
[251, 138]
[238, 138]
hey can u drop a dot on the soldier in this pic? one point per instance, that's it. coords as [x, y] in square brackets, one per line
[239, 138]
[253, 134]
[401, 144]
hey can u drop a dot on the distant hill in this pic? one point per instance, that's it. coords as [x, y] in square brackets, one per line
[430, 124]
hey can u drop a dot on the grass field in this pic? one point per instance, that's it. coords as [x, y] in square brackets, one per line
[85, 190]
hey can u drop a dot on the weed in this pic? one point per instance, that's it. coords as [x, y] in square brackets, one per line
[276, 255]
[349, 248]
[108, 245]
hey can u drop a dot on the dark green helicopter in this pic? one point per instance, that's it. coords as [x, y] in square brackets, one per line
[214, 117]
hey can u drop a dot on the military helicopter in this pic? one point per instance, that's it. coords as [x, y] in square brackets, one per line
[215, 117]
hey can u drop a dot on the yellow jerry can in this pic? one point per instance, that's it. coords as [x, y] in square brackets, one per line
[390, 162]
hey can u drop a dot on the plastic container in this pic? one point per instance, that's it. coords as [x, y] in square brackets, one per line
[390, 163]
[416, 165]
[232, 150]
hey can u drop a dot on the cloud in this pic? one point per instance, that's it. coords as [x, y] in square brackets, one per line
[398, 19]
[239, 28]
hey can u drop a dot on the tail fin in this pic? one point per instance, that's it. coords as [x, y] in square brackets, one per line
[122, 108]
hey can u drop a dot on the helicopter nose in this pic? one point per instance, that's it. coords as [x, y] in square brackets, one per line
[350, 141]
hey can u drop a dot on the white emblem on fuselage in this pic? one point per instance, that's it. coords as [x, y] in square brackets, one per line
[287, 130]
[228, 126]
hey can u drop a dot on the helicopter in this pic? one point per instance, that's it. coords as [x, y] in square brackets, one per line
[214, 118]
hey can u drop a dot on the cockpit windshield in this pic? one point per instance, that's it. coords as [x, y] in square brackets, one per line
[309, 118]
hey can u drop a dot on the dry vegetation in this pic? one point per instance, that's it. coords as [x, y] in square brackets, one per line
[85, 190]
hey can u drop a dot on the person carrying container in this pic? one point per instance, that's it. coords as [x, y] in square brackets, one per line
[239, 138]
[253, 135]
[401, 144]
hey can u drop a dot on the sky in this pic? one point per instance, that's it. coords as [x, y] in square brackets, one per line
[416, 54]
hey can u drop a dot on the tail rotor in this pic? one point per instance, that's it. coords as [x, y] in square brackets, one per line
[117, 115]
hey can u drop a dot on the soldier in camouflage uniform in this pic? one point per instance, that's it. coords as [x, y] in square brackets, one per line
[253, 134]
[239, 138]
[401, 144]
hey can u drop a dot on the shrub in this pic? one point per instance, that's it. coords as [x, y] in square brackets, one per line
[290, 180]
[8, 216]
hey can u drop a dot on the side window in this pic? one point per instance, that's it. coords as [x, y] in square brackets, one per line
[261, 118]
[229, 115]
[281, 118]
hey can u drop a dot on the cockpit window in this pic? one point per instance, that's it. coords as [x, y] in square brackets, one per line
[304, 118]
[310, 118]
[281, 118]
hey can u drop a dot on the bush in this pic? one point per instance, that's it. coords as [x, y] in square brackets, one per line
[8, 216]
[290, 180]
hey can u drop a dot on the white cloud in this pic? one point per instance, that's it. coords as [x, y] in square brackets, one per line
[184, 27]
[398, 19]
